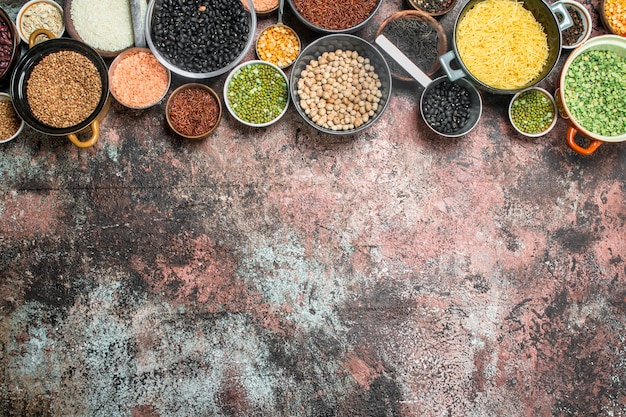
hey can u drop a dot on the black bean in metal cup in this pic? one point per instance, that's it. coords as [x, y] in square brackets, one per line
[446, 107]
[200, 36]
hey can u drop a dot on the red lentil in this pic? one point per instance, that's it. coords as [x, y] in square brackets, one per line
[63, 89]
[9, 120]
[139, 80]
[615, 14]
[335, 14]
[193, 111]
[264, 5]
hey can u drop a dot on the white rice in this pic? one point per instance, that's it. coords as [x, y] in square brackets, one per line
[103, 24]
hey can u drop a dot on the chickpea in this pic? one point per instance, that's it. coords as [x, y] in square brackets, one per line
[341, 90]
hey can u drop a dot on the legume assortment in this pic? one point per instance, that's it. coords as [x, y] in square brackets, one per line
[200, 35]
[340, 90]
[257, 93]
[63, 89]
[595, 92]
[9, 120]
[139, 80]
[532, 112]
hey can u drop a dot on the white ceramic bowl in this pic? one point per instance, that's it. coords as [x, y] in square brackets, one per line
[229, 103]
[587, 22]
[555, 112]
[24, 9]
[6, 97]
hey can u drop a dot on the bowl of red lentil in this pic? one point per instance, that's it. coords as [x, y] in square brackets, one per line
[11, 125]
[340, 84]
[60, 87]
[9, 46]
[137, 79]
[193, 111]
[265, 7]
[613, 16]
[335, 16]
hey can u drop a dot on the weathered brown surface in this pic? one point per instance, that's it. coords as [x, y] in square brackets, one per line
[280, 272]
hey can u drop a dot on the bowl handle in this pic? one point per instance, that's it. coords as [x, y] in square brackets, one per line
[591, 148]
[560, 8]
[42, 31]
[445, 61]
[95, 134]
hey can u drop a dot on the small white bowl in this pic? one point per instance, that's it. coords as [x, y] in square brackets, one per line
[24, 9]
[587, 22]
[235, 73]
[6, 97]
[555, 112]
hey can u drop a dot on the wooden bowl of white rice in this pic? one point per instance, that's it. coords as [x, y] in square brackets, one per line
[106, 26]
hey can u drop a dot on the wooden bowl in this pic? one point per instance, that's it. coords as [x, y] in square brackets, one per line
[421, 17]
[180, 89]
[73, 33]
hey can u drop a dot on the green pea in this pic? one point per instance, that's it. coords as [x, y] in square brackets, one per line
[257, 93]
[596, 97]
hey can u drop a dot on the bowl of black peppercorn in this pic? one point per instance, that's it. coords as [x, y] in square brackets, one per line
[199, 39]
[581, 27]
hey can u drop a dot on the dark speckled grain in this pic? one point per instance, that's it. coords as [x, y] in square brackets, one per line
[281, 272]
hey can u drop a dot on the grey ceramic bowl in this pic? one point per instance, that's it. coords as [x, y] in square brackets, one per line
[331, 43]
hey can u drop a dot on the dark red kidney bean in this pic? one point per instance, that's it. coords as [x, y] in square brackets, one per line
[6, 45]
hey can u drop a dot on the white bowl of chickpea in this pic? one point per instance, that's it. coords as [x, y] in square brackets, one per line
[340, 84]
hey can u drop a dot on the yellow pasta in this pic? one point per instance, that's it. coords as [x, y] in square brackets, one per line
[502, 44]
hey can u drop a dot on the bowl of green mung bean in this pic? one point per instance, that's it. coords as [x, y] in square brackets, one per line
[533, 112]
[256, 93]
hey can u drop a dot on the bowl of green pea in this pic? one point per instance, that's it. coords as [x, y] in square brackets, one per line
[256, 93]
[533, 112]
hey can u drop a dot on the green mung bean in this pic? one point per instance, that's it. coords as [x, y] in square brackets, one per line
[532, 112]
[595, 92]
[257, 93]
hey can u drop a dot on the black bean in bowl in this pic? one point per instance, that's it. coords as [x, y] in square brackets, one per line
[200, 38]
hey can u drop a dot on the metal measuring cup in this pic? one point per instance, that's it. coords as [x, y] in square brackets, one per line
[287, 30]
[428, 84]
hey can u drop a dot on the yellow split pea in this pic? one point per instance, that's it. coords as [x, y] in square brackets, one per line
[278, 45]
